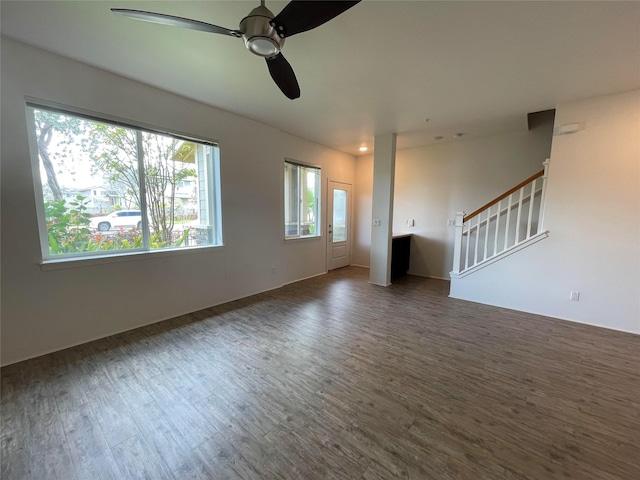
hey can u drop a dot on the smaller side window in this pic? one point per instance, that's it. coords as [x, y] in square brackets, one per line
[301, 200]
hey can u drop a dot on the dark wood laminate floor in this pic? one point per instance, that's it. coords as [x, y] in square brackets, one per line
[332, 378]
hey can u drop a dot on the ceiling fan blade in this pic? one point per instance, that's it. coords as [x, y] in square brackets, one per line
[300, 16]
[173, 21]
[283, 75]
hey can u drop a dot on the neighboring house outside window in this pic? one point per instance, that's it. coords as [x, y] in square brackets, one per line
[301, 200]
[105, 187]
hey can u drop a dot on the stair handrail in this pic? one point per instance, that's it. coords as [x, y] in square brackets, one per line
[503, 196]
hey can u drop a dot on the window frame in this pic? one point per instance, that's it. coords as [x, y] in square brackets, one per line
[214, 192]
[318, 200]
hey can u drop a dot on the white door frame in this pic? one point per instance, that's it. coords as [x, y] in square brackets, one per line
[331, 184]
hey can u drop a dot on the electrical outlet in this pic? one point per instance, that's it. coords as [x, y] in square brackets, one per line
[451, 223]
[574, 296]
[409, 222]
[376, 222]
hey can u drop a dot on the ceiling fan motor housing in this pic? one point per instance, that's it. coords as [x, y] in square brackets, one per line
[259, 36]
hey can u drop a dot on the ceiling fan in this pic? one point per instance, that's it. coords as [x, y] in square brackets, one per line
[262, 32]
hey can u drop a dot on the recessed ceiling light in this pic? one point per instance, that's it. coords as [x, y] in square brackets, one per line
[458, 135]
[363, 148]
[438, 137]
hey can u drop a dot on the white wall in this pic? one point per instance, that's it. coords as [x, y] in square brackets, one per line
[433, 182]
[593, 215]
[363, 208]
[44, 311]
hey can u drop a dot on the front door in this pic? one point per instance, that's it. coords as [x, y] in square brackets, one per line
[339, 225]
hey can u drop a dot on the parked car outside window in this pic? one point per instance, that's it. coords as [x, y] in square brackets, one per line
[118, 219]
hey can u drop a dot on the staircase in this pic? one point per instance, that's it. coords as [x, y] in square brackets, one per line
[509, 223]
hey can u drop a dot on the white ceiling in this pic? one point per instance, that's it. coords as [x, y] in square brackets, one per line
[383, 66]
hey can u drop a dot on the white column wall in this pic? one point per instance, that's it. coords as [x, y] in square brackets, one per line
[382, 208]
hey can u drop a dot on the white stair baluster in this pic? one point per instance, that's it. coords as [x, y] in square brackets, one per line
[466, 255]
[519, 216]
[486, 233]
[531, 201]
[506, 227]
[495, 239]
[475, 251]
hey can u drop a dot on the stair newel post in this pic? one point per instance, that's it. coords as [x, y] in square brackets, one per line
[457, 247]
[543, 195]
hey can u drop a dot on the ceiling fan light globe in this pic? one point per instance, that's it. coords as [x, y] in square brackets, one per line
[258, 34]
[263, 46]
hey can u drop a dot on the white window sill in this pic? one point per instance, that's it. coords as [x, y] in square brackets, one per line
[76, 262]
[301, 239]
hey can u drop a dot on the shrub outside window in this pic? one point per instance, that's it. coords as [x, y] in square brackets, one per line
[301, 200]
[106, 188]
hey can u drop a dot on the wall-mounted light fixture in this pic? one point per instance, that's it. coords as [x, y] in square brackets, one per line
[567, 129]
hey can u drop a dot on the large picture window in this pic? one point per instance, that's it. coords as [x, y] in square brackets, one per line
[107, 188]
[301, 200]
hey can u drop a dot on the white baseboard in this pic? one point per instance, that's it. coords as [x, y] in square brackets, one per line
[546, 315]
[428, 276]
[305, 278]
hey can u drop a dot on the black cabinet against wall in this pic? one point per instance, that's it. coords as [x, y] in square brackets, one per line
[400, 254]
